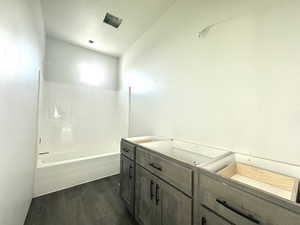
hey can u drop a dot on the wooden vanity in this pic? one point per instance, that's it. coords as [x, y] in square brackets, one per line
[242, 194]
[170, 182]
[160, 190]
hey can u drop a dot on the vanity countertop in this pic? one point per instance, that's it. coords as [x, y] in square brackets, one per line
[187, 152]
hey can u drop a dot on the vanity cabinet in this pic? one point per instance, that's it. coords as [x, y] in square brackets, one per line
[240, 204]
[127, 179]
[161, 185]
[158, 203]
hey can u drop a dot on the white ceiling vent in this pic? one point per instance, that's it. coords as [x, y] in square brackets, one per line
[112, 20]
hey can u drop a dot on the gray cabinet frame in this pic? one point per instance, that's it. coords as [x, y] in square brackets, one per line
[177, 206]
[127, 177]
[267, 209]
[169, 205]
[158, 203]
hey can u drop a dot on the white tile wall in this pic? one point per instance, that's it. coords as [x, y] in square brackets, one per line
[88, 119]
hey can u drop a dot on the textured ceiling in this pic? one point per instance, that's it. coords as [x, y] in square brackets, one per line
[78, 21]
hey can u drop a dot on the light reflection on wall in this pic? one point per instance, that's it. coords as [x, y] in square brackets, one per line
[91, 74]
[9, 57]
[140, 84]
[56, 113]
[67, 134]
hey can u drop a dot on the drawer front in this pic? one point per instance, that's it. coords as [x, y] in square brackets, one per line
[241, 207]
[175, 174]
[128, 149]
[210, 218]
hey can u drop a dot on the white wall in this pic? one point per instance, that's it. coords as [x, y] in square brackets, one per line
[236, 88]
[88, 121]
[65, 63]
[21, 54]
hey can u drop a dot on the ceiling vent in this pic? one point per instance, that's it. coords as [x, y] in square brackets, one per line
[112, 20]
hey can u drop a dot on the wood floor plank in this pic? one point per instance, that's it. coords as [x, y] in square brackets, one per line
[94, 203]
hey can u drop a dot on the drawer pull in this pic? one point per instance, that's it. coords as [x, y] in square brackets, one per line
[249, 217]
[203, 221]
[157, 198]
[130, 174]
[157, 167]
[151, 189]
[125, 150]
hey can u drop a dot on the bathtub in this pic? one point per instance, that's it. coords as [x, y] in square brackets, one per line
[59, 171]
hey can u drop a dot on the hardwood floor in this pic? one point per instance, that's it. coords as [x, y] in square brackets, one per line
[95, 203]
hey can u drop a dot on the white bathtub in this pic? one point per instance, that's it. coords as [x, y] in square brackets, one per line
[63, 170]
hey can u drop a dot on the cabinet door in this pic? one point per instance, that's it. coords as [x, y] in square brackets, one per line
[210, 218]
[127, 182]
[176, 207]
[145, 212]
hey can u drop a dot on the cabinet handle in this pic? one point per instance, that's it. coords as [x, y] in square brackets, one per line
[157, 167]
[203, 221]
[130, 168]
[151, 189]
[248, 217]
[125, 150]
[157, 194]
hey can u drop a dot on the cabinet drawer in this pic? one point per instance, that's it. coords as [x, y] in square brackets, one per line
[128, 149]
[240, 207]
[210, 218]
[175, 174]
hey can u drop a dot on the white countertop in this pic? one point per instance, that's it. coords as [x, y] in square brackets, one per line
[188, 152]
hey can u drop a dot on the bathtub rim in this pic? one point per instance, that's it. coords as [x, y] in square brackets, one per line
[41, 165]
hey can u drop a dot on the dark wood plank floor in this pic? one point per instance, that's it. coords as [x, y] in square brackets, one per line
[95, 203]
